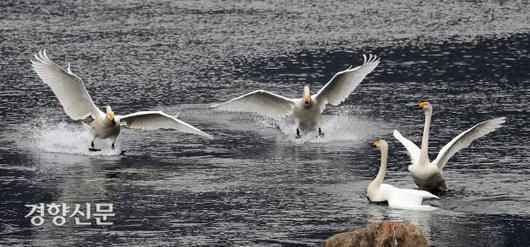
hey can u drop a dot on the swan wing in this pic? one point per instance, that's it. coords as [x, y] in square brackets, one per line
[152, 120]
[412, 149]
[261, 102]
[421, 193]
[67, 86]
[466, 138]
[344, 82]
[408, 199]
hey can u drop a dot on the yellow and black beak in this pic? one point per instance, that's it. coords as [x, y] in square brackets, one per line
[422, 105]
[375, 143]
[110, 117]
[307, 99]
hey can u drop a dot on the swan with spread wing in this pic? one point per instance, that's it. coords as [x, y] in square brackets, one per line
[308, 109]
[429, 175]
[395, 197]
[78, 105]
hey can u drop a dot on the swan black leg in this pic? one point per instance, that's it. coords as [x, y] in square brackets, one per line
[297, 133]
[112, 146]
[93, 147]
[320, 133]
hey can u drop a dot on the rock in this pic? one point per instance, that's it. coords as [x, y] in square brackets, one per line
[386, 233]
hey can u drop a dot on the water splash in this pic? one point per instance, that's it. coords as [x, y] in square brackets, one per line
[67, 138]
[337, 128]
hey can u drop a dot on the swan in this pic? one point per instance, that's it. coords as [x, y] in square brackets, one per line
[396, 198]
[429, 175]
[308, 109]
[78, 105]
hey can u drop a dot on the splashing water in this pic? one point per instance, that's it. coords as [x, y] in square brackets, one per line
[65, 138]
[337, 128]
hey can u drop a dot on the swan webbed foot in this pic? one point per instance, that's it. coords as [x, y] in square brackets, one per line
[320, 133]
[93, 148]
[112, 146]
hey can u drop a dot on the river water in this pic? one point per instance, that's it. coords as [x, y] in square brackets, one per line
[254, 184]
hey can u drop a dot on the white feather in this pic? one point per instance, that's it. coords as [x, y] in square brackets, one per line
[465, 139]
[262, 102]
[152, 120]
[410, 199]
[412, 149]
[344, 82]
[68, 88]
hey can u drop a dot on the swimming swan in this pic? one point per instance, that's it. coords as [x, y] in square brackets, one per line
[78, 105]
[429, 175]
[308, 109]
[396, 198]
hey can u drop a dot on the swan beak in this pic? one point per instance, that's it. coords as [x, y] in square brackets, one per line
[307, 100]
[110, 117]
[375, 143]
[422, 105]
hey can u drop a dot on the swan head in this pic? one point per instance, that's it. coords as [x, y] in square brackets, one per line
[425, 106]
[307, 96]
[380, 144]
[110, 115]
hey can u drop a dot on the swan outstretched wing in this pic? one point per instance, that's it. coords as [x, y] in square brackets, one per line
[465, 138]
[344, 82]
[152, 120]
[67, 86]
[261, 102]
[412, 149]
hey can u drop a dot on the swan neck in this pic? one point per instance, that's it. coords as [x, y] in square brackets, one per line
[382, 169]
[424, 156]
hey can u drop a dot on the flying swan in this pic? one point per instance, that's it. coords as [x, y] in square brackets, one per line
[429, 175]
[78, 105]
[396, 198]
[308, 109]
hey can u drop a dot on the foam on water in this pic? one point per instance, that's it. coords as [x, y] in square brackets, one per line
[67, 138]
[340, 124]
[339, 127]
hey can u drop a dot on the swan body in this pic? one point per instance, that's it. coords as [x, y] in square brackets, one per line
[101, 128]
[307, 117]
[307, 110]
[78, 105]
[429, 175]
[397, 198]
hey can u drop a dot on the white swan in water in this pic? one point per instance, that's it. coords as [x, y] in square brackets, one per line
[308, 109]
[429, 175]
[396, 198]
[78, 105]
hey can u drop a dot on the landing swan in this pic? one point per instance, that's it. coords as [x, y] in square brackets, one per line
[308, 109]
[429, 175]
[77, 104]
[396, 198]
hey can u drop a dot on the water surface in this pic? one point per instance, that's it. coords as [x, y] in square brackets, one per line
[254, 184]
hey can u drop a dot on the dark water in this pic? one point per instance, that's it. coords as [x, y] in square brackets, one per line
[254, 184]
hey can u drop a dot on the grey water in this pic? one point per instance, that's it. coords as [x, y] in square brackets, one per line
[255, 184]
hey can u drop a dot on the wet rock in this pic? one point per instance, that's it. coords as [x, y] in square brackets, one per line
[386, 233]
